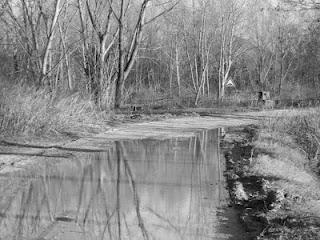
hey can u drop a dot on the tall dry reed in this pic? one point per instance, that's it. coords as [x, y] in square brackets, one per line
[24, 110]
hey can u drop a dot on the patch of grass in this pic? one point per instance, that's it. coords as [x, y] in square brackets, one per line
[289, 165]
[292, 136]
[26, 111]
[303, 126]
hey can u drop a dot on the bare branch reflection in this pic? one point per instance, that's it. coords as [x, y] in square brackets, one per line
[146, 189]
[136, 199]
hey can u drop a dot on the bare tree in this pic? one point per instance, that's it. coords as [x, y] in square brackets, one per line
[46, 68]
[126, 60]
[230, 18]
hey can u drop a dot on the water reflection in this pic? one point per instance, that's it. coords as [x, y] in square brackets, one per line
[144, 189]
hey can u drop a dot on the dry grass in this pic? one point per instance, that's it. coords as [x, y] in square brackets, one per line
[292, 136]
[288, 120]
[303, 126]
[290, 173]
[287, 144]
[288, 165]
[25, 111]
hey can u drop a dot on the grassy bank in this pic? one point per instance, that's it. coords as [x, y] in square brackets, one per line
[303, 126]
[292, 140]
[275, 178]
[27, 112]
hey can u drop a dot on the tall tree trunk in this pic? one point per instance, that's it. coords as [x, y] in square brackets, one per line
[46, 55]
[126, 62]
[119, 80]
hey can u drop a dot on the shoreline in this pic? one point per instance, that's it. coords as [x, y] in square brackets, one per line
[270, 199]
[20, 151]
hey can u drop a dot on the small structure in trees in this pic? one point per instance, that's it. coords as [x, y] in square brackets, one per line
[230, 87]
[263, 96]
[265, 100]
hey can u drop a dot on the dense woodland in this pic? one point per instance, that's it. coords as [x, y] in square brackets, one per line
[129, 51]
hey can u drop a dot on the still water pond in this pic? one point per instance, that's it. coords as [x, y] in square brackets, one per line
[144, 189]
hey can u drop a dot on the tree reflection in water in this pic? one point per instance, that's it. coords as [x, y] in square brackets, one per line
[143, 189]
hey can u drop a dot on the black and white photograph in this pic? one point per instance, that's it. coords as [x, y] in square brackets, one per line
[159, 119]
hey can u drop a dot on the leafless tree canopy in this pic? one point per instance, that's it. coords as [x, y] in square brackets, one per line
[128, 51]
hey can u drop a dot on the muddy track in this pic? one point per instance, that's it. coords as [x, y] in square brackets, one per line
[248, 192]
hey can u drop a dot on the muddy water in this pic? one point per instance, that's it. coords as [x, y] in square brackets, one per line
[144, 189]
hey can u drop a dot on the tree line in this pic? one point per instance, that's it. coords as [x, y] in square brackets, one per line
[117, 51]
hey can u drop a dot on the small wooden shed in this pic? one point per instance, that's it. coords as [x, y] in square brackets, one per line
[263, 96]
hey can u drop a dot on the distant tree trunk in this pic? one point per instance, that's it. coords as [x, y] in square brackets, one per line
[194, 83]
[281, 73]
[15, 63]
[170, 71]
[178, 70]
[208, 82]
[66, 58]
[83, 36]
